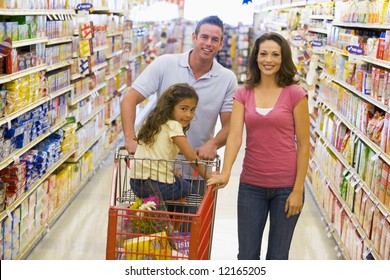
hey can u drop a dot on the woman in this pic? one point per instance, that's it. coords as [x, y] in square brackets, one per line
[274, 110]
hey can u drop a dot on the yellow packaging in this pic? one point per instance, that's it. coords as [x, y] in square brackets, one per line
[148, 247]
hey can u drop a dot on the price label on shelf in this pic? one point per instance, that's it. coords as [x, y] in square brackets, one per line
[376, 156]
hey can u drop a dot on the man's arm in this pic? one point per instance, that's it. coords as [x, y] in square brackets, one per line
[208, 151]
[128, 114]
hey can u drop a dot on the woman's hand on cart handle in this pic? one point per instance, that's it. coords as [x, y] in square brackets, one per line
[218, 181]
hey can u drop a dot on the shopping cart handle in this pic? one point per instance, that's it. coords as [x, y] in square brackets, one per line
[119, 150]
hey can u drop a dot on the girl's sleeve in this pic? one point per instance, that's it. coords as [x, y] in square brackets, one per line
[175, 129]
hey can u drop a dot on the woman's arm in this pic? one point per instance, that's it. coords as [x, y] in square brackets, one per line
[233, 145]
[302, 131]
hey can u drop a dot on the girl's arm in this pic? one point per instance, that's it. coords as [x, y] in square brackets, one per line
[233, 145]
[189, 154]
[294, 202]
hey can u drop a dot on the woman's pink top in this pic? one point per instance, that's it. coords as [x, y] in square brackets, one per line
[270, 154]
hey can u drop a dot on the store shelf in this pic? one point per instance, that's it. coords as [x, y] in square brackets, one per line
[79, 155]
[110, 120]
[101, 11]
[373, 146]
[317, 30]
[112, 75]
[28, 42]
[372, 60]
[19, 12]
[122, 88]
[350, 215]
[34, 186]
[99, 66]
[331, 232]
[10, 77]
[366, 97]
[379, 62]
[321, 17]
[357, 180]
[61, 40]
[276, 16]
[93, 114]
[59, 65]
[82, 97]
[111, 55]
[76, 76]
[9, 117]
[18, 152]
[116, 33]
[100, 48]
[382, 26]
[61, 209]
[60, 15]
[57, 214]
[61, 91]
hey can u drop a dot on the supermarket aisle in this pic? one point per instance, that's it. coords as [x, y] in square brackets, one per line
[80, 233]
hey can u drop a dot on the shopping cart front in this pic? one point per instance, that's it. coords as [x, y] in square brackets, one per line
[152, 227]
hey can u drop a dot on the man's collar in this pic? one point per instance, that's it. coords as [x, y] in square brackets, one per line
[184, 61]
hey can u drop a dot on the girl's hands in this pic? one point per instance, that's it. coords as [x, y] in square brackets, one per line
[294, 203]
[218, 181]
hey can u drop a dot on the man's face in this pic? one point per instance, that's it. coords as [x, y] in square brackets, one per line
[208, 42]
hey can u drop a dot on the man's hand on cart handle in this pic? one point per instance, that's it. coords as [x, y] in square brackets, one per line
[131, 145]
[207, 152]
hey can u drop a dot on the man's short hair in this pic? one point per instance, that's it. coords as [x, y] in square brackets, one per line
[214, 20]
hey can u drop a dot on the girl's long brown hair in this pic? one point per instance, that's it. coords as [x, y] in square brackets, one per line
[164, 110]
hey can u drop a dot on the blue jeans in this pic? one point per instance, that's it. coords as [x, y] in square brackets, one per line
[253, 206]
[179, 189]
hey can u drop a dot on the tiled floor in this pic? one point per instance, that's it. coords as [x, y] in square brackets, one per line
[80, 233]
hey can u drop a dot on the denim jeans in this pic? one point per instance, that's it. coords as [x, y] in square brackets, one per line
[253, 205]
[179, 189]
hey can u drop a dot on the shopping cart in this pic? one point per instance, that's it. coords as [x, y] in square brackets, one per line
[177, 229]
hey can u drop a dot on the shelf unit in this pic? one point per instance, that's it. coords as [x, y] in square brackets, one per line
[31, 212]
[347, 195]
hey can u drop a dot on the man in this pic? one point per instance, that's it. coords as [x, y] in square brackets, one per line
[214, 84]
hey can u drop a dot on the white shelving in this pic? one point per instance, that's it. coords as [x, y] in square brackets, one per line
[10, 77]
[29, 42]
[319, 26]
[96, 98]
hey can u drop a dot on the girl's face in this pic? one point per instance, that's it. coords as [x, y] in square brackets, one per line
[184, 111]
[269, 58]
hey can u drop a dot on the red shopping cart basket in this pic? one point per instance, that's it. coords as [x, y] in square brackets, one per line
[153, 228]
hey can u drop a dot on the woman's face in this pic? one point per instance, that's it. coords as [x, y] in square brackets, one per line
[184, 111]
[269, 58]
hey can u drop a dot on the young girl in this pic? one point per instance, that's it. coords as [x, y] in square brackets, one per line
[160, 139]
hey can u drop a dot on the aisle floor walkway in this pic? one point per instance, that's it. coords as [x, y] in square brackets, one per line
[80, 233]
